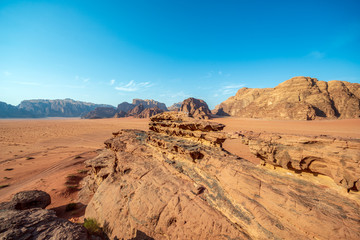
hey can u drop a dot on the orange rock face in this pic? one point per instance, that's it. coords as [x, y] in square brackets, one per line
[172, 186]
[336, 158]
[301, 98]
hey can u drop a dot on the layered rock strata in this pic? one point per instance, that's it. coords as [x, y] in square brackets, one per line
[336, 158]
[171, 187]
[179, 124]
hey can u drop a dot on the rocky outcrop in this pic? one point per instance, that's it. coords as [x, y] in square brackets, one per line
[38, 224]
[149, 103]
[125, 107]
[58, 108]
[301, 98]
[149, 112]
[175, 107]
[196, 108]
[23, 218]
[135, 111]
[333, 157]
[169, 185]
[139, 109]
[179, 124]
[101, 112]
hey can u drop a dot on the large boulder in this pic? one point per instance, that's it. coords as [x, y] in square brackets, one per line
[196, 108]
[27, 200]
[36, 224]
[301, 98]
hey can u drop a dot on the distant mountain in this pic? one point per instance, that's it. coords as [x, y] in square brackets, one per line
[300, 98]
[138, 108]
[58, 108]
[175, 106]
[10, 111]
[47, 108]
[101, 112]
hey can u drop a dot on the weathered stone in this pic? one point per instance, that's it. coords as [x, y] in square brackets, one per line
[31, 199]
[196, 108]
[336, 158]
[36, 224]
[169, 187]
[301, 98]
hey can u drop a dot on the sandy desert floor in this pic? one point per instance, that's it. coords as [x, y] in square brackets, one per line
[48, 154]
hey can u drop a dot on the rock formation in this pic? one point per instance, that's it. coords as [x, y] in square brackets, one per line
[149, 103]
[101, 112]
[196, 108]
[175, 106]
[149, 112]
[174, 182]
[58, 108]
[24, 218]
[139, 109]
[301, 98]
[334, 157]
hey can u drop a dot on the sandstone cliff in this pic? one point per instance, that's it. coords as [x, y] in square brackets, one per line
[175, 107]
[176, 182]
[196, 108]
[301, 98]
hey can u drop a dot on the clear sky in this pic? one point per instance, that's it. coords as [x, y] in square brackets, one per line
[114, 51]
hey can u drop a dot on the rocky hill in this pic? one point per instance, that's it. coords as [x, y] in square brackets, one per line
[176, 182]
[138, 108]
[58, 108]
[301, 98]
[196, 108]
[101, 112]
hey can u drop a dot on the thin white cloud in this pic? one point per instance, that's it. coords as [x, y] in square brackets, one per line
[112, 81]
[228, 89]
[132, 86]
[317, 54]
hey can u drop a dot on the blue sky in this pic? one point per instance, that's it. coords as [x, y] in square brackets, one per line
[114, 51]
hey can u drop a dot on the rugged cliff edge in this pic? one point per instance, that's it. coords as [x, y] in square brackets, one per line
[301, 98]
[336, 158]
[168, 184]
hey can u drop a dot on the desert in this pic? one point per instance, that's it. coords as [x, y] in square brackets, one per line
[41, 154]
[172, 120]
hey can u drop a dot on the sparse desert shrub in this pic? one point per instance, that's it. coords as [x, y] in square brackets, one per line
[70, 207]
[92, 226]
[7, 178]
[30, 158]
[77, 157]
[4, 186]
[8, 169]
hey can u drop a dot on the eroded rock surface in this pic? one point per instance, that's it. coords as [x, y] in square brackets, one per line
[172, 187]
[301, 98]
[24, 219]
[334, 157]
[38, 224]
